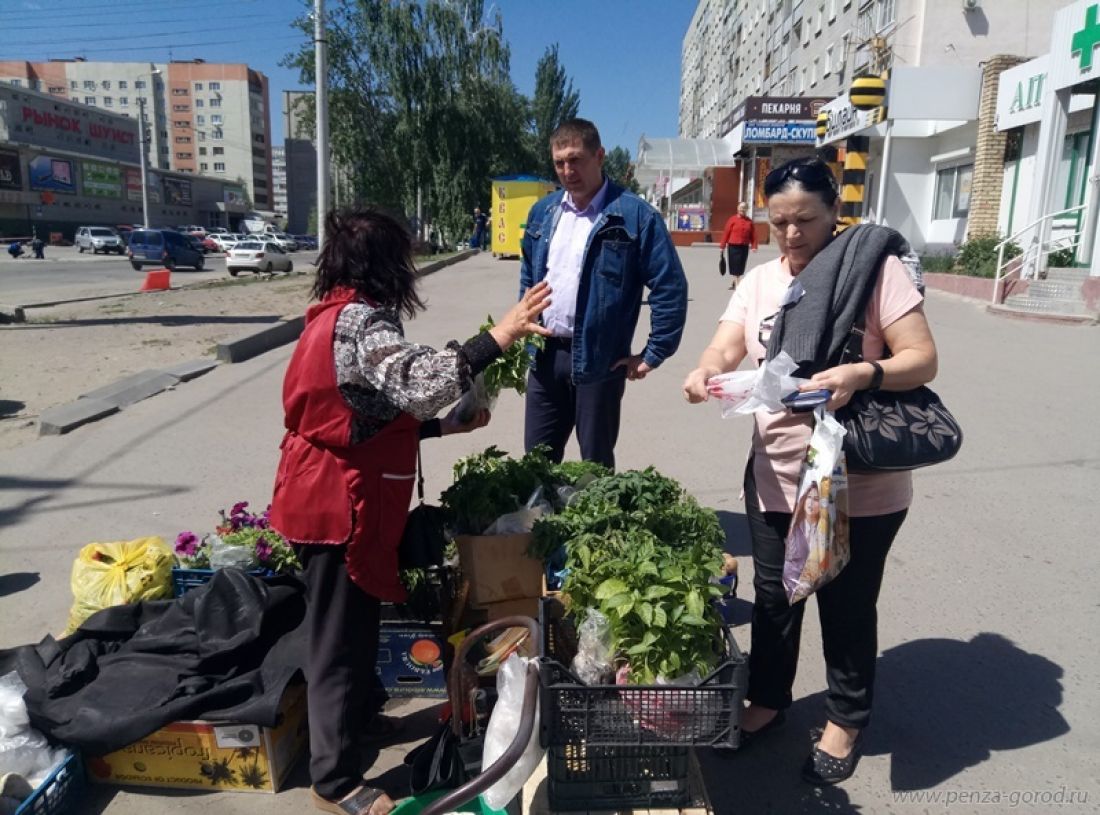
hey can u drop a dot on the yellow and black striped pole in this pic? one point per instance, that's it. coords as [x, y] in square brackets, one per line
[853, 180]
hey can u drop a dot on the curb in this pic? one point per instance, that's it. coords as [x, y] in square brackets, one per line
[436, 265]
[112, 398]
[12, 314]
[258, 342]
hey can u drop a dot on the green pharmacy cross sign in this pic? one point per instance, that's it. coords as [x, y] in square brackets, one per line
[1086, 40]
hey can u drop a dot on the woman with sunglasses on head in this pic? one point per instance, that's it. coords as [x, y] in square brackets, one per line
[358, 397]
[804, 303]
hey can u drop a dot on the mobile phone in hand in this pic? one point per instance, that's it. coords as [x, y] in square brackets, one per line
[805, 401]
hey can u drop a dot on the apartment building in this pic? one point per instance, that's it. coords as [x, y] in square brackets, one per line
[203, 118]
[734, 49]
[278, 170]
[300, 155]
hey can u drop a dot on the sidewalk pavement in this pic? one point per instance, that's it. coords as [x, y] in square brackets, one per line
[988, 618]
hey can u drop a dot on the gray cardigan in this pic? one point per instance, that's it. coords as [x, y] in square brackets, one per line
[837, 284]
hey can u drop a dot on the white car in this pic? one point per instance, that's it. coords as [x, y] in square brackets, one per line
[257, 256]
[284, 240]
[224, 240]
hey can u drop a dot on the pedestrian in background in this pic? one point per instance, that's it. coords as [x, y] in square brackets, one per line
[598, 246]
[738, 236]
[358, 397]
[39, 246]
[480, 223]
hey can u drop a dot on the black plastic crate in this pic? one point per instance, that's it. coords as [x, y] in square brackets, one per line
[706, 714]
[585, 777]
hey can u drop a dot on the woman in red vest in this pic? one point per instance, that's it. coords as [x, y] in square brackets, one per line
[358, 397]
[738, 236]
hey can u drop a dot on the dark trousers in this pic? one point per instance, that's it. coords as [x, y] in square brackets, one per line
[343, 625]
[846, 607]
[737, 256]
[555, 406]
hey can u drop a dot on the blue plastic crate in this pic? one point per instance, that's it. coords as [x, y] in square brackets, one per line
[183, 580]
[62, 792]
[410, 660]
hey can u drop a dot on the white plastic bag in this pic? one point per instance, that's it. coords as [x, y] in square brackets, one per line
[763, 389]
[23, 750]
[522, 520]
[223, 554]
[474, 400]
[592, 664]
[817, 542]
[503, 726]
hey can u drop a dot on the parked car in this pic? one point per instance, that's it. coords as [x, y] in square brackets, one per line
[257, 256]
[163, 247]
[224, 240]
[306, 241]
[99, 239]
[284, 240]
[210, 245]
[218, 230]
[193, 229]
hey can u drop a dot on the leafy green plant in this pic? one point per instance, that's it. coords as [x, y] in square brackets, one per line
[657, 597]
[978, 256]
[509, 370]
[490, 484]
[938, 263]
[1062, 258]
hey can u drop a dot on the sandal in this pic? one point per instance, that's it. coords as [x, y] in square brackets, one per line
[824, 769]
[362, 800]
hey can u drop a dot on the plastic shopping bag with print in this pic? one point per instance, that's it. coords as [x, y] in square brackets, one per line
[817, 541]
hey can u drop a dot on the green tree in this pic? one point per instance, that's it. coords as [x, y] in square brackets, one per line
[553, 103]
[421, 99]
[620, 169]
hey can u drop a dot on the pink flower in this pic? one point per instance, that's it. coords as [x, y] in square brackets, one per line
[187, 544]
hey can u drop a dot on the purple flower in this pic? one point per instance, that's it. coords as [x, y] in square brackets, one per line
[263, 549]
[187, 544]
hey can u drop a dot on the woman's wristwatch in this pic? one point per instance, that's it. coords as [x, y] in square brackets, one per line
[876, 377]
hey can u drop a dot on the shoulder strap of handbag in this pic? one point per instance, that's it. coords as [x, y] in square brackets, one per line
[419, 475]
[853, 348]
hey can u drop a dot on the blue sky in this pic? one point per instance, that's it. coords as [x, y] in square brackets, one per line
[623, 57]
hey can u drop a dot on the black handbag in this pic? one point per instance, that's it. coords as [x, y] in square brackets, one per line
[424, 539]
[894, 430]
[721, 263]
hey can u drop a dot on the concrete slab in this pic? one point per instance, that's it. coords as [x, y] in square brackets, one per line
[256, 343]
[133, 388]
[186, 371]
[63, 418]
[12, 314]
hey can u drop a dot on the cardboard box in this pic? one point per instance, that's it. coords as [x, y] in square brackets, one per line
[524, 607]
[200, 755]
[410, 660]
[498, 568]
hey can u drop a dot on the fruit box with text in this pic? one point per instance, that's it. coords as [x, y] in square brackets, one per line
[200, 755]
[410, 660]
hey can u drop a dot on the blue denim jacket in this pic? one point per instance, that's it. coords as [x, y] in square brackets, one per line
[627, 249]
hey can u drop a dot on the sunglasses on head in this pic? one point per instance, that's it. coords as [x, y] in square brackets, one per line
[811, 174]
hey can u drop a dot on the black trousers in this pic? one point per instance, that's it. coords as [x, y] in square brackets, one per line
[555, 406]
[343, 625]
[846, 607]
[737, 256]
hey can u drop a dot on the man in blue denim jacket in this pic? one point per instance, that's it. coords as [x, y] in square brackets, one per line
[597, 245]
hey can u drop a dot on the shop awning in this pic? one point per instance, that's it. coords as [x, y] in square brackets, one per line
[679, 158]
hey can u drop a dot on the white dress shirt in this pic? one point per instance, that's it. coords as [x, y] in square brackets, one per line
[566, 259]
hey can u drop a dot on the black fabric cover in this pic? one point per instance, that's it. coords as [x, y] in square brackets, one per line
[224, 651]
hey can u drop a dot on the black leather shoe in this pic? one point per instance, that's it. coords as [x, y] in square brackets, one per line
[776, 722]
[823, 769]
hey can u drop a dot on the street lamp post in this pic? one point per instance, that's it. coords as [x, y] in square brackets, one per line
[144, 143]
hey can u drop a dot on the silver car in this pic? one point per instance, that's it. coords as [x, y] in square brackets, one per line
[257, 256]
[99, 239]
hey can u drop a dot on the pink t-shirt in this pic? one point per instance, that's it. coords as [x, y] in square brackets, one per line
[780, 439]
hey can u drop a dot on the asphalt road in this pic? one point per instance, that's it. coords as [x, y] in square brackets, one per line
[66, 274]
[988, 694]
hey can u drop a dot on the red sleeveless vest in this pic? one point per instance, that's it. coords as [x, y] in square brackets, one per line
[328, 491]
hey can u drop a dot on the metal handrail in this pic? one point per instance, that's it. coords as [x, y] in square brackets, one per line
[1036, 244]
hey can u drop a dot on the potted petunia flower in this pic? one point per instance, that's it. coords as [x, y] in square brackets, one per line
[242, 539]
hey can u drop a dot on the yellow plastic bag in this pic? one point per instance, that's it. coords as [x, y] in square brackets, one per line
[117, 573]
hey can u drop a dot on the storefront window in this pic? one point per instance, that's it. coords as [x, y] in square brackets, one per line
[1069, 184]
[953, 192]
